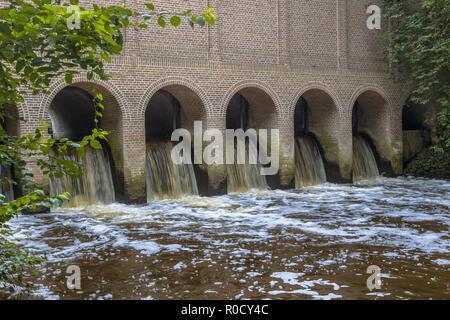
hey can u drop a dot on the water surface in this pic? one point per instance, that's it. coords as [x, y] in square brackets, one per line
[314, 243]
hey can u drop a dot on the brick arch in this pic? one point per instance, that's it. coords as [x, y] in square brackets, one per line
[377, 118]
[314, 86]
[250, 84]
[173, 81]
[23, 110]
[366, 88]
[323, 119]
[13, 126]
[81, 78]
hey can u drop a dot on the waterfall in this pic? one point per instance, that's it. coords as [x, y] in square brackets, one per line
[6, 190]
[165, 180]
[244, 177]
[95, 186]
[309, 167]
[364, 163]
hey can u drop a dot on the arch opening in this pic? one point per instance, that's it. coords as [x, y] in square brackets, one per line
[414, 116]
[170, 108]
[370, 136]
[416, 130]
[72, 116]
[309, 164]
[250, 108]
[316, 144]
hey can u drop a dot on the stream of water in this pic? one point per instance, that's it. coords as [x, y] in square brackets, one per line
[164, 179]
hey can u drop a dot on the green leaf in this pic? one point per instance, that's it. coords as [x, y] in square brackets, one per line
[162, 22]
[95, 144]
[175, 21]
[69, 78]
[20, 65]
[105, 57]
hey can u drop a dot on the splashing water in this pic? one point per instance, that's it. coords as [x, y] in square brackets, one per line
[309, 166]
[364, 163]
[314, 243]
[166, 180]
[245, 177]
[95, 186]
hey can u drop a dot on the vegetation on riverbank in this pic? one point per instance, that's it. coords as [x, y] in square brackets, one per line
[417, 48]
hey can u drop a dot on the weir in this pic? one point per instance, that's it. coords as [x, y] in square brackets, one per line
[364, 163]
[309, 167]
[94, 186]
[245, 177]
[166, 180]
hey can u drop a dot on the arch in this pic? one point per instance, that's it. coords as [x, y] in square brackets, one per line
[312, 86]
[13, 126]
[114, 117]
[169, 104]
[105, 86]
[173, 81]
[371, 114]
[319, 105]
[414, 116]
[22, 111]
[250, 84]
[367, 88]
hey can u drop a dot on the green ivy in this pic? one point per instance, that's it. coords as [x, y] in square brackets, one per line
[417, 48]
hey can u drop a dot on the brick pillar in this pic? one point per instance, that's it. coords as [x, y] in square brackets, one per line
[38, 178]
[344, 137]
[134, 151]
[335, 137]
[287, 150]
[217, 174]
[31, 108]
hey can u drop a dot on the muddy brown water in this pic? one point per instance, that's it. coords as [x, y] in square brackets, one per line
[313, 243]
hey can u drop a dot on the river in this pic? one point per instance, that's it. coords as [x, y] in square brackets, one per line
[313, 243]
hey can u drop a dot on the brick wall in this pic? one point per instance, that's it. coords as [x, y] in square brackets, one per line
[273, 51]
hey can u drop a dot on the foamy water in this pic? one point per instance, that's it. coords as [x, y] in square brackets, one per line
[314, 243]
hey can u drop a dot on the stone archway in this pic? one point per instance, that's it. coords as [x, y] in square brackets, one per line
[71, 112]
[172, 107]
[315, 115]
[370, 118]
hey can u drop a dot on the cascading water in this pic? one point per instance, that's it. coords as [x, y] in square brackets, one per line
[309, 167]
[166, 180]
[6, 190]
[95, 186]
[245, 177]
[364, 163]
